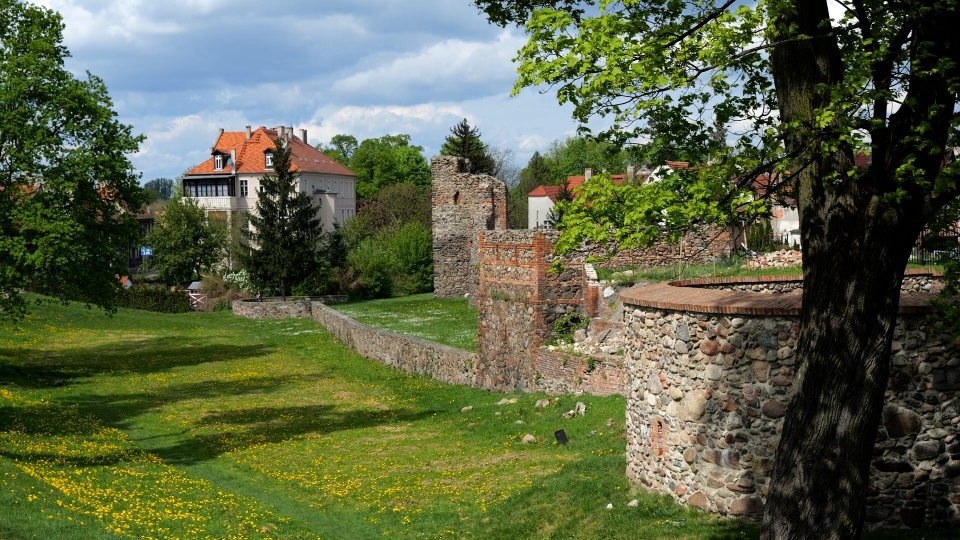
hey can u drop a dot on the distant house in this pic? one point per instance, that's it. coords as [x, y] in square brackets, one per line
[229, 181]
[541, 200]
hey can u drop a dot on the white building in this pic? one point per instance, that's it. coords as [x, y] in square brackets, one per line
[229, 181]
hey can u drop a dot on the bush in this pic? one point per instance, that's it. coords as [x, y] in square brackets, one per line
[223, 304]
[374, 268]
[412, 248]
[154, 299]
[240, 281]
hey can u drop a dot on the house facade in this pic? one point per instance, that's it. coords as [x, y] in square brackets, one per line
[541, 200]
[229, 181]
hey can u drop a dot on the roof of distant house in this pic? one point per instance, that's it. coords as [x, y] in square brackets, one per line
[250, 154]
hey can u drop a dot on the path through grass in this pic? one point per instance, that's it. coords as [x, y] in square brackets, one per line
[214, 426]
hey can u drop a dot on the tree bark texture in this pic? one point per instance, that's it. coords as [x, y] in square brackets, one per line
[856, 244]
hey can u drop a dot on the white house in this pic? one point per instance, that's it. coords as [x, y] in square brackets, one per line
[229, 181]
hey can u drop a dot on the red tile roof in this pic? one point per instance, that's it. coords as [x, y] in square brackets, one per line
[303, 157]
[572, 183]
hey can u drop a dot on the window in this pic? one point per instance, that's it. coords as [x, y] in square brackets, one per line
[243, 188]
[218, 162]
[268, 160]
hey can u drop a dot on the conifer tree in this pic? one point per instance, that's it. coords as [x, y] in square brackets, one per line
[285, 230]
[464, 141]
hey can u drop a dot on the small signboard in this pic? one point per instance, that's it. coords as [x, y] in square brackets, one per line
[146, 251]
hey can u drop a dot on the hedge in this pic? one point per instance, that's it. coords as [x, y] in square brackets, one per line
[155, 299]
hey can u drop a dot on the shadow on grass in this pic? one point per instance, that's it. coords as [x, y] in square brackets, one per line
[238, 430]
[212, 436]
[38, 369]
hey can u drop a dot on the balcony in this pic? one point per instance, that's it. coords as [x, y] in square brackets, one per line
[221, 204]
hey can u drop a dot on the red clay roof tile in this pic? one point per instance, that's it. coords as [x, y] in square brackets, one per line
[250, 155]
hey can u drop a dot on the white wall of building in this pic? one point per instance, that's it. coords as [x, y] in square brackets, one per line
[538, 211]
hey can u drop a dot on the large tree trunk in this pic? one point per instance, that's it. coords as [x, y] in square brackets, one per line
[855, 250]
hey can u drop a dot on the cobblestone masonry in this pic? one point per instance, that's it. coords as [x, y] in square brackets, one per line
[915, 281]
[707, 394]
[406, 353]
[272, 308]
[700, 246]
[463, 204]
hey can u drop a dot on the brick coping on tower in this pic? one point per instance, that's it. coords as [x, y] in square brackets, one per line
[688, 295]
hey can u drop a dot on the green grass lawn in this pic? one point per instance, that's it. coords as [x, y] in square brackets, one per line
[450, 321]
[207, 425]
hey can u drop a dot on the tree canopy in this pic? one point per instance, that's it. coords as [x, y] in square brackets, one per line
[185, 242]
[68, 192]
[806, 98]
[163, 187]
[388, 160]
[285, 232]
[341, 148]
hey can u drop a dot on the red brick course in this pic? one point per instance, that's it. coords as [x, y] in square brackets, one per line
[688, 295]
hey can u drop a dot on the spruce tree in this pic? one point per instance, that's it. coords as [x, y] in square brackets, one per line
[285, 229]
[464, 141]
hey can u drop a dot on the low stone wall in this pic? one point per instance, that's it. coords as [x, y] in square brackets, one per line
[270, 309]
[562, 373]
[406, 353]
[914, 281]
[700, 246]
[296, 307]
[711, 376]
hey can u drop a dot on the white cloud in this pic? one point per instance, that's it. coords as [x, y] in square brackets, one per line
[122, 20]
[365, 122]
[448, 63]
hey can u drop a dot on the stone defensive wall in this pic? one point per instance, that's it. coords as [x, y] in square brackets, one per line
[711, 375]
[463, 204]
[702, 245]
[406, 353]
[295, 307]
[520, 298]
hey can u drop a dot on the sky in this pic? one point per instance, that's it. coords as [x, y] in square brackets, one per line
[178, 70]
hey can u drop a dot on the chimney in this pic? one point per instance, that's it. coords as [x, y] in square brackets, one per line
[249, 133]
[281, 132]
[587, 174]
[631, 173]
[303, 136]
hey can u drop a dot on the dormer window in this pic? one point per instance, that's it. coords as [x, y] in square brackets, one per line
[218, 162]
[268, 160]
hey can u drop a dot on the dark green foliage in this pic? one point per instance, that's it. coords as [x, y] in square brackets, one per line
[389, 160]
[565, 326]
[286, 232]
[335, 248]
[156, 299]
[762, 238]
[398, 204]
[536, 173]
[163, 187]
[185, 242]
[572, 156]
[67, 190]
[947, 305]
[464, 141]
[396, 261]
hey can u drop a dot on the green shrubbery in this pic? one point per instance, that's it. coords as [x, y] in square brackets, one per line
[155, 299]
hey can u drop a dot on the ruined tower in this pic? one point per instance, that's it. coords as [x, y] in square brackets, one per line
[463, 205]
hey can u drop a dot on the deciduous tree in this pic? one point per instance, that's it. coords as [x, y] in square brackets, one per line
[185, 242]
[68, 193]
[806, 94]
[388, 160]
